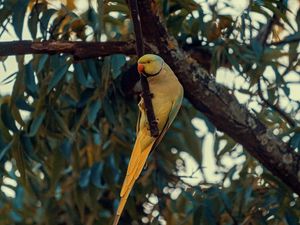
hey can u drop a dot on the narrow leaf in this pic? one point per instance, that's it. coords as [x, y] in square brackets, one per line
[84, 178]
[57, 76]
[18, 16]
[30, 84]
[7, 118]
[34, 127]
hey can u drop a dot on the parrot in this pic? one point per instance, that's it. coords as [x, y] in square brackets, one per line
[166, 95]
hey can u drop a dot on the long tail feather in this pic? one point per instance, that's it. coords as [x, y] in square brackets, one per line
[135, 167]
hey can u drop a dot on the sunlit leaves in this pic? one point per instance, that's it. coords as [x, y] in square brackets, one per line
[67, 130]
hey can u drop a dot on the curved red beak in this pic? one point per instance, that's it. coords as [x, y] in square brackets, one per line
[140, 68]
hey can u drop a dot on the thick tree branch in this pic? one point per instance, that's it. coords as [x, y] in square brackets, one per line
[80, 50]
[203, 92]
[221, 107]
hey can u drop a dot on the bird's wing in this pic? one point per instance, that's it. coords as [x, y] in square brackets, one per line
[172, 114]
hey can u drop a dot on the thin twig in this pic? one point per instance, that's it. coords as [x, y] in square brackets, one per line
[146, 95]
[4, 27]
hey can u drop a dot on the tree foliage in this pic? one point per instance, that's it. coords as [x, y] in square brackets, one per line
[68, 126]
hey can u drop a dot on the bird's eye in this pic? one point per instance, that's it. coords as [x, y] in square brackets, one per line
[148, 61]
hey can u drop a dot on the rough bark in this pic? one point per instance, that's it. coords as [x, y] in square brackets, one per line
[79, 50]
[221, 107]
[212, 99]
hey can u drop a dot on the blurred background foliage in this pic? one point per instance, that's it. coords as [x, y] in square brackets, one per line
[67, 127]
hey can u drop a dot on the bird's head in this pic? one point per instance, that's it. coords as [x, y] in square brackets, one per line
[150, 65]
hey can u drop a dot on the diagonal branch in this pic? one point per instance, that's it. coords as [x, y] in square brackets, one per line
[221, 107]
[202, 91]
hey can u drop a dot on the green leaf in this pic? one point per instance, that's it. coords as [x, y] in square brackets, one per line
[22, 104]
[36, 123]
[295, 141]
[96, 175]
[93, 70]
[93, 19]
[79, 73]
[45, 21]
[84, 178]
[94, 109]
[30, 84]
[117, 62]
[226, 200]
[257, 47]
[18, 16]
[66, 148]
[57, 76]
[4, 150]
[34, 16]
[28, 147]
[7, 118]
[85, 96]
[4, 14]
[109, 111]
[42, 62]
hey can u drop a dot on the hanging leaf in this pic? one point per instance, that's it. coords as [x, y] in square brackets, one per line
[42, 62]
[22, 104]
[84, 178]
[109, 111]
[79, 73]
[96, 175]
[93, 70]
[57, 76]
[44, 22]
[93, 111]
[18, 16]
[7, 118]
[36, 123]
[4, 150]
[33, 18]
[30, 84]
[66, 148]
[117, 62]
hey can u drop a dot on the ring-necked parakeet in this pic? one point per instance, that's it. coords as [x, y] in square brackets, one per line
[167, 96]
